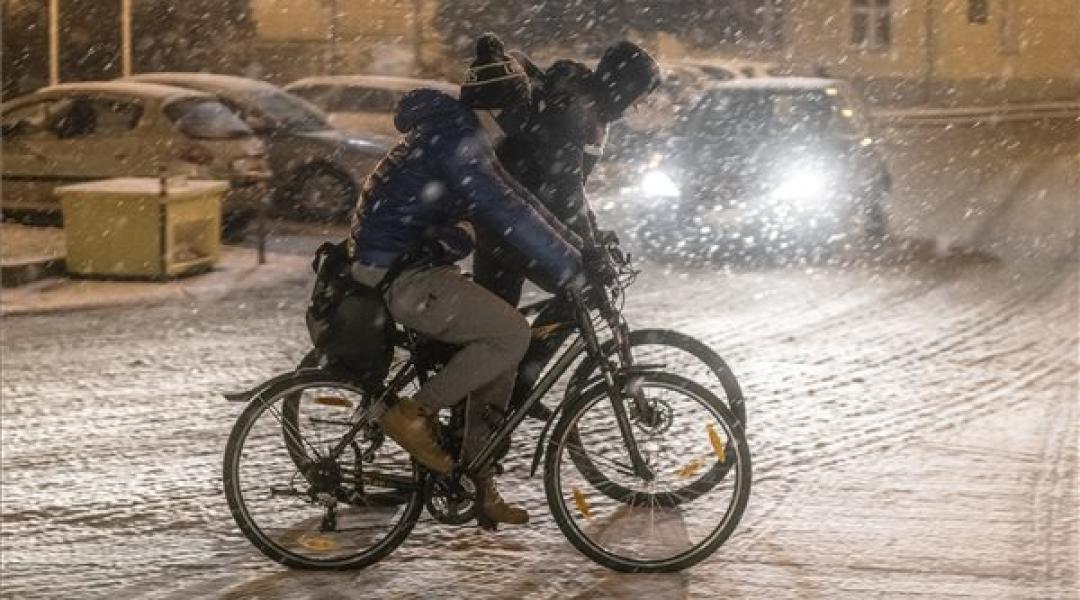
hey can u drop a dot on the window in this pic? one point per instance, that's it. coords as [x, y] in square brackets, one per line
[1010, 28]
[32, 120]
[320, 95]
[871, 24]
[360, 99]
[115, 116]
[978, 11]
[286, 111]
[757, 117]
[82, 116]
[206, 120]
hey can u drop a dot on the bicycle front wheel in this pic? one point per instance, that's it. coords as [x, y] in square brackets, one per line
[300, 504]
[651, 524]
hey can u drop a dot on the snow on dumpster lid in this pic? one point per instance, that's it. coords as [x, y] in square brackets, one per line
[143, 186]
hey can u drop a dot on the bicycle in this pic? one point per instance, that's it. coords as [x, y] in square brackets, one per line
[603, 486]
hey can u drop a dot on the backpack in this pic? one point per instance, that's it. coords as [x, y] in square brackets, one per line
[347, 321]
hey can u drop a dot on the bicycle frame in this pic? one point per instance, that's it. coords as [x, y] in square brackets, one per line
[528, 394]
[587, 341]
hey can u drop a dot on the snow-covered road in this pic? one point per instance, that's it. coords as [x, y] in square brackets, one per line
[913, 423]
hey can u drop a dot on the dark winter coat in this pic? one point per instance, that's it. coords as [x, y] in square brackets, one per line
[556, 153]
[444, 170]
[553, 159]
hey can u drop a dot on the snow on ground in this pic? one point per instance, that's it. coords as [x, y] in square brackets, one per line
[1012, 190]
[913, 423]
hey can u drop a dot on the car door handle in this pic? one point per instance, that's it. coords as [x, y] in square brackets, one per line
[121, 156]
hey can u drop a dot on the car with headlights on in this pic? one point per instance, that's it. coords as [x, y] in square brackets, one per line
[317, 169]
[77, 132]
[762, 165]
[362, 103]
[684, 83]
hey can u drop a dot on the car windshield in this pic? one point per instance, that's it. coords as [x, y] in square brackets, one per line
[206, 119]
[364, 99]
[319, 95]
[288, 111]
[767, 114]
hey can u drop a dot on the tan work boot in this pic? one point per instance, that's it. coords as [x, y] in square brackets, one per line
[495, 507]
[408, 424]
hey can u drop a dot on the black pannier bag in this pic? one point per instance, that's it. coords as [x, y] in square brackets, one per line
[348, 321]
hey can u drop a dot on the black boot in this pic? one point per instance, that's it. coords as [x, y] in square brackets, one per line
[494, 508]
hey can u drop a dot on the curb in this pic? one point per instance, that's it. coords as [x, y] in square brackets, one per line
[63, 295]
[18, 274]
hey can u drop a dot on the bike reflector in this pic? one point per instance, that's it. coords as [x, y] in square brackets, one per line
[690, 469]
[332, 401]
[717, 443]
[582, 504]
[317, 542]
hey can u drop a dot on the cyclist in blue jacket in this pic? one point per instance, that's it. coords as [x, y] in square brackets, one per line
[438, 183]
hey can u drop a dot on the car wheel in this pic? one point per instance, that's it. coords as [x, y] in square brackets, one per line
[322, 194]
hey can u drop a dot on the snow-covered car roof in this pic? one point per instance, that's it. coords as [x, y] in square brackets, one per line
[777, 83]
[129, 88]
[396, 84]
[723, 68]
[242, 91]
[223, 83]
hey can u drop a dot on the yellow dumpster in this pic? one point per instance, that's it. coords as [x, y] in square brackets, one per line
[138, 227]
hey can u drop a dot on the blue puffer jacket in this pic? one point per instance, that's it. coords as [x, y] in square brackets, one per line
[443, 171]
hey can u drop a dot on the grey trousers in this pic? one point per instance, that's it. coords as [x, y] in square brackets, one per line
[442, 304]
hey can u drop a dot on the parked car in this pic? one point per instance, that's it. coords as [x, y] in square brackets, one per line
[362, 103]
[317, 170]
[762, 164]
[77, 132]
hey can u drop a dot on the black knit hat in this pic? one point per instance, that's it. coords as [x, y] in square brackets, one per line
[494, 80]
[624, 74]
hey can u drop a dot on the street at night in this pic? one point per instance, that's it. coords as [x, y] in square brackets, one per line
[540, 299]
[912, 418]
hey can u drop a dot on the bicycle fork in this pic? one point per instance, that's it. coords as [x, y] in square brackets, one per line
[617, 385]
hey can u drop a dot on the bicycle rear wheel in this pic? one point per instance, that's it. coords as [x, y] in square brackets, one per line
[651, 525]
[302, 507]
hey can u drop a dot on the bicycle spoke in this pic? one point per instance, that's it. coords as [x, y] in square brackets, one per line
[290, 430]
[621, 468]
[626, 521]
[309, 507]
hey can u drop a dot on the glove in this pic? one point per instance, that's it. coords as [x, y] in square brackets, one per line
[592, 294]
[454, 243]
[607, 236]
[599, 267]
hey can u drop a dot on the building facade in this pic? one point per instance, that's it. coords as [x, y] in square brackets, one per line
[938, 52]
[304, 37]
[942, 52]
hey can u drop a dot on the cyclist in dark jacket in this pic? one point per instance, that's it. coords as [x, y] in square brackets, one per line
[435, 185]
[444, 171]
[572, 107]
